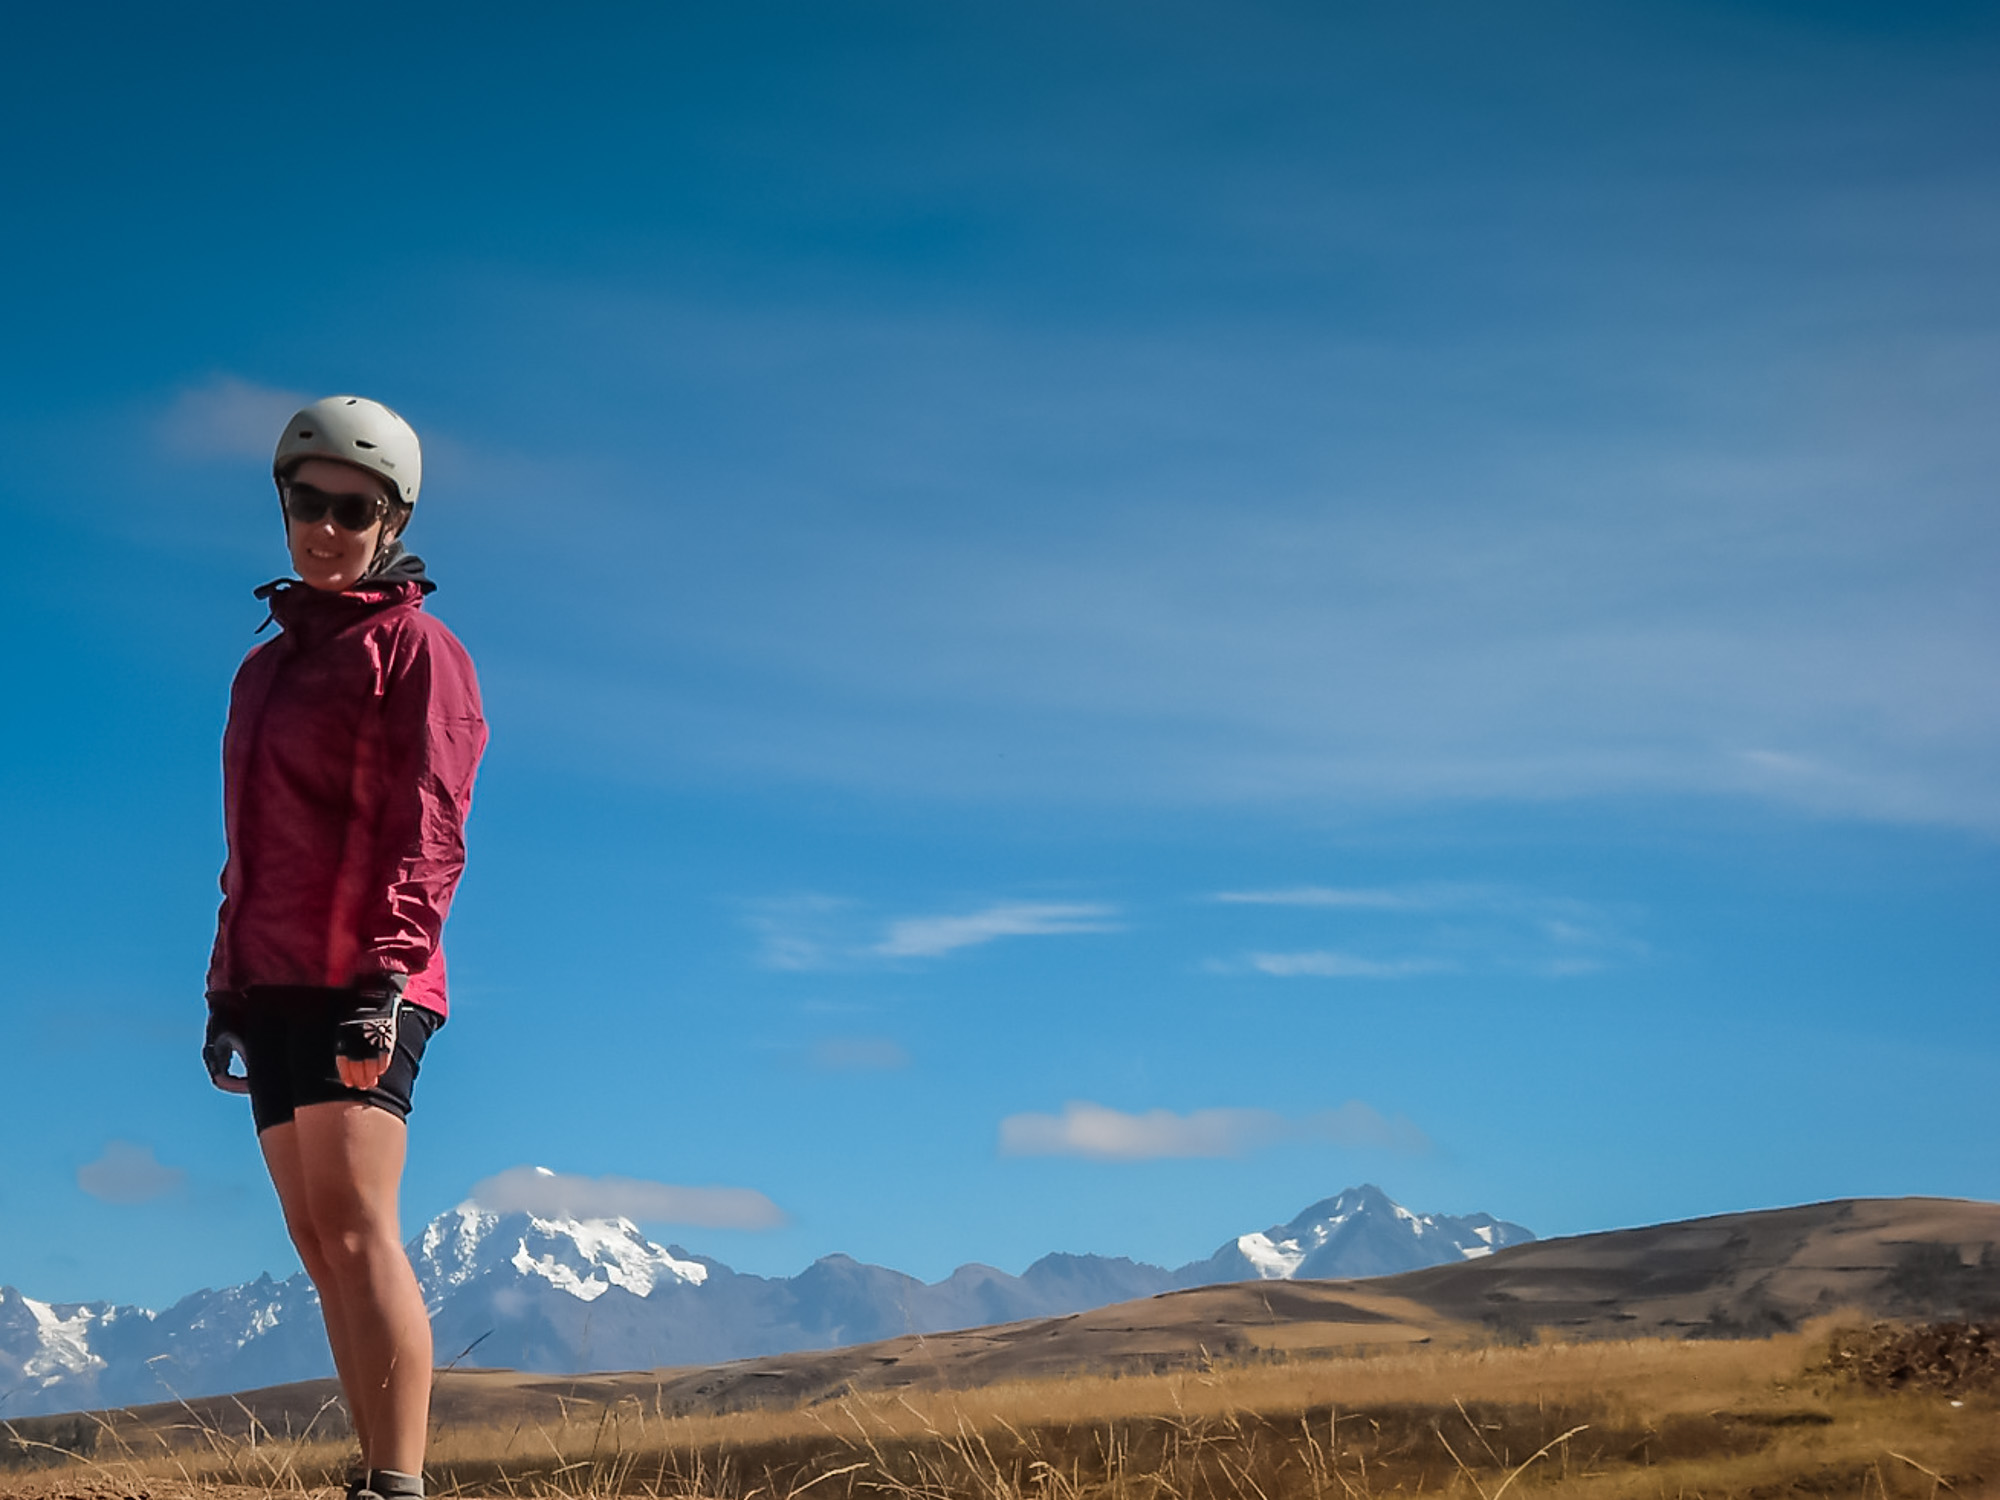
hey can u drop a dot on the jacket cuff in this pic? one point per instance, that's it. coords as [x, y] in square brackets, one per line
[380, 985]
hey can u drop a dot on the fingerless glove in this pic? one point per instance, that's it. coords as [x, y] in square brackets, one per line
[368, 1031]
[221, 1046]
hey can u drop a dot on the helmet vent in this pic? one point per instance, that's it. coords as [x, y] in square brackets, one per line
[305, 433]
[363, 443]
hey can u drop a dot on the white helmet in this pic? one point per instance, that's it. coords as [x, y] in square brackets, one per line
[355, 431]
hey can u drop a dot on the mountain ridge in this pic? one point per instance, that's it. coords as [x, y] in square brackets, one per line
[563, 1295]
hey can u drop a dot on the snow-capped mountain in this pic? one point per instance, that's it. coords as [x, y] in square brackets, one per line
[566, 1295]
[1360, 1233]
[584, 1257]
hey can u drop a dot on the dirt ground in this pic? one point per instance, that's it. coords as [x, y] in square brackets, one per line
[106, 1487]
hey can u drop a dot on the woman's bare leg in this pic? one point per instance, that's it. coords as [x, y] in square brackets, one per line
[280, 1144]
[347, 1162]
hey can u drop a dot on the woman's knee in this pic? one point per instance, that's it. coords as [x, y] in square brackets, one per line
[332, 1236]
[311, 1255]
[355, 1244]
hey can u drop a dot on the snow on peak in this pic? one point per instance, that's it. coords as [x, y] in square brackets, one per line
[447, 1252]
[65, 1343]
[583, 1257]
[1274, 1260]
[588, 1257]
[1362, 1231]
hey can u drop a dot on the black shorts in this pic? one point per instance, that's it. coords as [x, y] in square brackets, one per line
[288, 1051]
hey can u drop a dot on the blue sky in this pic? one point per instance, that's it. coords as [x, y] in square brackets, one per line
[1098, 620]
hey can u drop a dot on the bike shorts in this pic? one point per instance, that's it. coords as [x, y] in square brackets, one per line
[288, 1034]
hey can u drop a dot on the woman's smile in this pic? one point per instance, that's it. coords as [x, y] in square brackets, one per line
[325, 554]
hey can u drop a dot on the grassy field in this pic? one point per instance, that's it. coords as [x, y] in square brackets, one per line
[1820, 1413]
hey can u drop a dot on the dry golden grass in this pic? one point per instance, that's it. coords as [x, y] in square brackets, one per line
[1648, 1418]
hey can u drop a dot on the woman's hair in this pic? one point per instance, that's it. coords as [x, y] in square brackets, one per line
[389, 544]
[395, 516]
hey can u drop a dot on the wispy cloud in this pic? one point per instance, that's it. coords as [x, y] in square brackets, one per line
[817, 932]
[858, 1054]
[227, 418]
[800, 933]
[1456, 928]
[128, 1173]
[1328, 896]
[1429, 896]
[537, 1190]
[1255, 607]
[1326, 964]
[928, 937]
[1105, 1134]
[1570, 968]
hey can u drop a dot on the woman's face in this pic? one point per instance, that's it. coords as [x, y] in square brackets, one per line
[324, 553]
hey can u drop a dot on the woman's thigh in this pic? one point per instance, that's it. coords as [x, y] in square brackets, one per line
[351, 1164]
[280, 1145]
[338, 1169]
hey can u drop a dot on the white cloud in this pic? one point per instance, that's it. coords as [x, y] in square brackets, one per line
[537, 1190]
[128, 1173]
[227, 418]
[1324, 964]
[927, 937]
[1105, 1134]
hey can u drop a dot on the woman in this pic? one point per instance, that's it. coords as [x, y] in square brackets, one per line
[347, 771]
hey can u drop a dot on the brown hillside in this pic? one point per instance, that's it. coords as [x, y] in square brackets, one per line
[1735, 1274]
[1729, 1276]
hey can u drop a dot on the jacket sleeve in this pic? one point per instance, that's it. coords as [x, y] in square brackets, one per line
[433, 733]
[246, 701]
[218, 953]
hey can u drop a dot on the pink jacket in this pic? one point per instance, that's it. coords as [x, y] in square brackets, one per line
[347, 774]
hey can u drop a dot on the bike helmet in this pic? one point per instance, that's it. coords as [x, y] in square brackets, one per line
[355, 431]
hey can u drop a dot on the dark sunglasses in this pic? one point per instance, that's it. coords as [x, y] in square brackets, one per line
[310, 506]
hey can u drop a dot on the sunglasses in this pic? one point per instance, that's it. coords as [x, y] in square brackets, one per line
[310, 506]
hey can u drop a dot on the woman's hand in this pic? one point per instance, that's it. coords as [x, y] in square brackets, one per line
[366, 1038]
[359, 1074]
[220, 1047]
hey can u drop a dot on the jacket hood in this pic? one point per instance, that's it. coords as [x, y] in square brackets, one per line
[397, 564]
[398, 575]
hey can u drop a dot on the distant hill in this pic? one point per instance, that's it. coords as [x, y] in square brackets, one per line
[565, 1295]
[1731, 1276]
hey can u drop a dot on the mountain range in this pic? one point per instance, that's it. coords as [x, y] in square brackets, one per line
[566, 1295]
